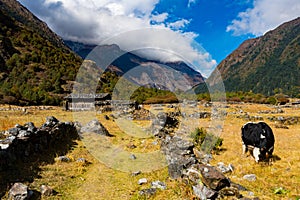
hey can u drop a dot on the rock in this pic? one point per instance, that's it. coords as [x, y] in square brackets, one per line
[148, 192]
[13, 131]
[19, 191]
[46, 190]
[250, 177]
[136, 173]
[202, 157]
[63, 159]
[142, 181]
[158, 185]
[225, 169]
[229, 191]
[50, 122]
[203, 192]
[23, 133]
[30, 127]
[81, 161]
[132, 156]
[95, 126]
[179, 154]
[213, 178]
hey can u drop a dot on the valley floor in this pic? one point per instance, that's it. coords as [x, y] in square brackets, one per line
[97, 180]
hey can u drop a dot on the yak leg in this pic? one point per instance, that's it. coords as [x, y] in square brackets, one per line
[256, 153]
[245, 149]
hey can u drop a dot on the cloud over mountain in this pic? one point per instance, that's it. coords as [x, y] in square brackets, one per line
[95, 21]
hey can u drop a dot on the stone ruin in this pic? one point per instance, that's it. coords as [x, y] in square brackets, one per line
[24, 147]
[25, 144]
[192, 166]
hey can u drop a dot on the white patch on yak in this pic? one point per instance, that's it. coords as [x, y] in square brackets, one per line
[262, 136]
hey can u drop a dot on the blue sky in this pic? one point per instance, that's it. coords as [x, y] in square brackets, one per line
[172, 29]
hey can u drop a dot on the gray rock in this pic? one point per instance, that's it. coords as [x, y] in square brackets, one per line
[158, 185]
[132, 156]
[95, 126]
[81, 160]
[50, 122]
[46, 190]
[204, 192]
[19, 191]
[63, 159]
[23, 133]
[142, 181]
[250, 177]
[13, 131]
[136, 173]
[225, 169]
[148, 192]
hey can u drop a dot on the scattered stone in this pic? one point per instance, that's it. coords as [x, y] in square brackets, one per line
[250, 177]
[63, 159]
[142, 181]
[225, 169]
[19, 191]
[136, 173]
[132, 156]
[281, 126]
[229, 191]
[148, 192]
[203, 192]
[46, 190]
[158, 185]
[81, 161]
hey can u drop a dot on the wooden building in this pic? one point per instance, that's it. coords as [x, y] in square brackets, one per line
[99, 102]
[78, 102]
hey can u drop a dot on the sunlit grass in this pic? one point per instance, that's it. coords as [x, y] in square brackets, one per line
[98, 180]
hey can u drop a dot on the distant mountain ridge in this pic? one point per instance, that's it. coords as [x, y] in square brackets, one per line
[127, 61]
[266, 64]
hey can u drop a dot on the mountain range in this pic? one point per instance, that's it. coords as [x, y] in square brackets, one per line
[38, 67]
[268, 64]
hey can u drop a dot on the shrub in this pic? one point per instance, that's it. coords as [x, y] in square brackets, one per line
[212, 142]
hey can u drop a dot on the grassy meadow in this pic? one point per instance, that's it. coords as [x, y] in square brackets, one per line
[96, 179]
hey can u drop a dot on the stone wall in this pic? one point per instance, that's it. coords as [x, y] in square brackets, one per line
[24, 147]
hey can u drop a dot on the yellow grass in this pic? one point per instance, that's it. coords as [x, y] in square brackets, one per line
[103, 180]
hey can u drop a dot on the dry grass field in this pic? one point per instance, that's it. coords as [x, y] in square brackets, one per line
[97, 180]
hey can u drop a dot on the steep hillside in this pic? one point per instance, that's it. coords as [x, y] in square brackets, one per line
[268, 64]
[35, 65]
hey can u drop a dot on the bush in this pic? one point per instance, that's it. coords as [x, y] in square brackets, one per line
[211, 142]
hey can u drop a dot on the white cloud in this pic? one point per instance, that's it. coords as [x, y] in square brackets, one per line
[264, 16]
[159, 18]
[191, 2]
[179, 24]
[93, 21]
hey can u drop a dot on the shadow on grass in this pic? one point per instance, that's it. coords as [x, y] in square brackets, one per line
[26, 168]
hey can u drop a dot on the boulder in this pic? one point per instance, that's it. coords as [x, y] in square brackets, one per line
[19, 191]
[213, 178]
[46, 190]
[95, 126]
